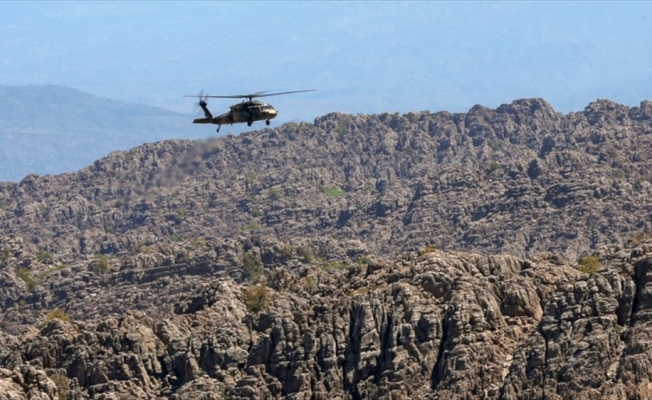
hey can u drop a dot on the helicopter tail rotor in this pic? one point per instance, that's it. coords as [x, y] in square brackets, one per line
[203, 104]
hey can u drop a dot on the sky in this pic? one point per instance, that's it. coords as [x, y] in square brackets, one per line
[362, 57]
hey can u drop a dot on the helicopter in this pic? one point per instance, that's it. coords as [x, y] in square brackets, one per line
[249, 110]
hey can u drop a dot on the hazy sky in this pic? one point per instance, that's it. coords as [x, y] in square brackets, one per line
[363, 57]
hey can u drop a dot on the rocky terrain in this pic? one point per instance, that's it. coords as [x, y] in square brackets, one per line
[494, 254]
[521, 179]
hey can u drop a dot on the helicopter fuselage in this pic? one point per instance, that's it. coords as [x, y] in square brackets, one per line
[247, 111]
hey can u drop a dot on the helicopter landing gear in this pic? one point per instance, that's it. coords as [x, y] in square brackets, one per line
[249, 123]
[267, 122]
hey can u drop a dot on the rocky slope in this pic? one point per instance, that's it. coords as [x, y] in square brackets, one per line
[521, 179]
[356, 257]
[426, 325]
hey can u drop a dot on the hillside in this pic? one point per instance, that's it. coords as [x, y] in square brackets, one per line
[521, 179]
[55, 129]
[492, 254]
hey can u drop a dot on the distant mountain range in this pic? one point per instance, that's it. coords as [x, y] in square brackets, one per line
[55, 129]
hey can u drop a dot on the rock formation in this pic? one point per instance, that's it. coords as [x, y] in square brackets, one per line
[423, 256]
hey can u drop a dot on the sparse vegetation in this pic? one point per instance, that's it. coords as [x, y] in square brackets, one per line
[589, 264]
[310, 284]
[5, 254]
[2, 205]
[305, 253]
[252, 266]
[342, 129]
[496, 145]
[43, 256]
[364, 260]
[618, 174]
[26, 276]
[335, 192]
[256, 213]
[100, 265]
[492, 167]
[58, 313]
[274, 194]
[252, 226]
[428, 249]
[61, 382]
[180, 215]
[143, 248]
[256, 298]
[333, 265]
[287, 252]
[46, 273]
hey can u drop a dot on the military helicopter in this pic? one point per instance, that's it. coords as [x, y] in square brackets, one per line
[248, 110]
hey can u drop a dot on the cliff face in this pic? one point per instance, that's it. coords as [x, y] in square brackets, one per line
[356, 257]
[431, 325]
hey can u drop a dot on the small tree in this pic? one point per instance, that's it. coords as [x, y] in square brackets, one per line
[589, 264]
[61, 382]
[256, 298]
[252, 265]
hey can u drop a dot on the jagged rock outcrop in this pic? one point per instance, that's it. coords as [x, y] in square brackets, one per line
[430, 325]
[320, 261]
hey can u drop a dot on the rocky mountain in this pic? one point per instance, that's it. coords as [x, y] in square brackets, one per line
[521, 179]
[493, 254]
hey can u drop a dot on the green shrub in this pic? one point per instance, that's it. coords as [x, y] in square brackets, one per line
[274, 194]
[335, 192]
[287, 252]
[428, 249]
[493, 166]
[495, 145]
[257, 213]
[58, 313]
[333, 265]
[100, 265]
[364, 260]
[43, 256]
[305, 253]
[256, 298]
[310, 284]
[252, 226]
[27, 277]
[252, 266]
[589, 264]
[5, 254]
[61, 382]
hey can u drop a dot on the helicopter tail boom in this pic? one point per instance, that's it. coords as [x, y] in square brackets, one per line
[207, 113]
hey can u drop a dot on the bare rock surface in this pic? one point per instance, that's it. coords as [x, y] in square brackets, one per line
[521, 179]
[431, 325]
[417, 256]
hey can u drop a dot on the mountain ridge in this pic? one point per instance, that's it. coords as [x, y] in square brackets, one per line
[500, 253]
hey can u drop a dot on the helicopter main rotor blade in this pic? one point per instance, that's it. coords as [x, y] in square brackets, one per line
[276, 94]
[254, 95]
